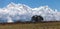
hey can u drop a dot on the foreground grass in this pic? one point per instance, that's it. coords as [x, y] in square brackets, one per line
[48, 25]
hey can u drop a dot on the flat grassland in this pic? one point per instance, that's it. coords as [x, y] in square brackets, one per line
[46, 25]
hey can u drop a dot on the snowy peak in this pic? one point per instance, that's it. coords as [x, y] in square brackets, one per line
[21, 6]
[43, 8]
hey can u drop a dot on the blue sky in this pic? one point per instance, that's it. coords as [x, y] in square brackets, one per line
[54, 4]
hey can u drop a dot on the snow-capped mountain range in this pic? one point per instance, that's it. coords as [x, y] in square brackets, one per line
[14, 12]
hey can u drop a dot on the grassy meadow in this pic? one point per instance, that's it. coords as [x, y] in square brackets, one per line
[46, 25]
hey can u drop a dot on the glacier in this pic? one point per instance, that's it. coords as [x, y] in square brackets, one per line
[20, 12]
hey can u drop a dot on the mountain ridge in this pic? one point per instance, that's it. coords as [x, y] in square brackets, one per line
[23, 13]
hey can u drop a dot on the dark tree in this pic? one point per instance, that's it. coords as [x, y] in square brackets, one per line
[37, 18]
